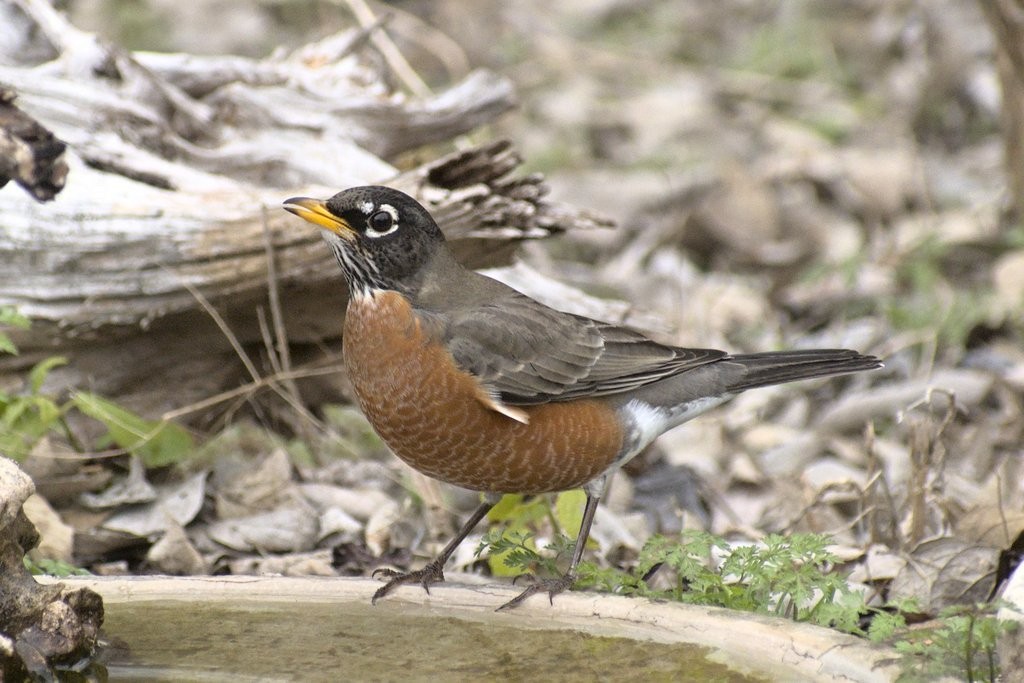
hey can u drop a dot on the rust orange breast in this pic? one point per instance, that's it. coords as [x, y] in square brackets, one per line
[428, 411]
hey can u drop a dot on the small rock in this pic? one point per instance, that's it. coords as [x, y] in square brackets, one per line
[742, 470]
[15, 488]
[762, 437]
[881, 182]
[115, 568]
[697, 444]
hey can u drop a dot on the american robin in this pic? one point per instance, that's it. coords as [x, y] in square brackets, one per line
[473, 383]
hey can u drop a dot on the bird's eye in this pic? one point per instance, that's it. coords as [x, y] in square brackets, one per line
[381, 221]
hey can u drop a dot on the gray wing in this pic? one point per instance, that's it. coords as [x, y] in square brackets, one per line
[528, 353]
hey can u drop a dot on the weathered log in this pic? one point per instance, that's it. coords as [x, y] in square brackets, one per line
[128, 317]
[178, 165]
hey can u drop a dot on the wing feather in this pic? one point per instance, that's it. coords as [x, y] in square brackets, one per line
[527, 353]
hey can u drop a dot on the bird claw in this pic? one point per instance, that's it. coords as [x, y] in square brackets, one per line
[529, 578]
[552, 586]
[432, 573]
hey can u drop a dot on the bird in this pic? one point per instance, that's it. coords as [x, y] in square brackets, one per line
[471, 382]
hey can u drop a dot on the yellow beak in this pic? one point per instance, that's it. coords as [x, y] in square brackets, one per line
[315, 211]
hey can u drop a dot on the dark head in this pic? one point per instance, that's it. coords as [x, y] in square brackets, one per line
[381, 237]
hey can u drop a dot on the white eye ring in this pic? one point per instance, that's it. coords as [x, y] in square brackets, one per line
[389, 210]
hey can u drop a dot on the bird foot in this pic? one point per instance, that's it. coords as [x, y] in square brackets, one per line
[551, 586]
[432, 573]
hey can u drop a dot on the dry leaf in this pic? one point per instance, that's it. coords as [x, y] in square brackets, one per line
[174, 554]
[286, 529]
[991, 525]
[359, 503]
[243, 486]
[946, 571]
[134, 488]
[175, 503]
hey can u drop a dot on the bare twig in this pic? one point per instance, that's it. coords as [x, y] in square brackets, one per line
[272, 383]
[879, 491]
[286, 388]
[392, 55]
[246, 389]
[268, 341]
[279, 351]
[443, 47]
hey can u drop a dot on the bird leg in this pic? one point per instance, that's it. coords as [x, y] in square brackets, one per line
[434, 571]
[564, 582]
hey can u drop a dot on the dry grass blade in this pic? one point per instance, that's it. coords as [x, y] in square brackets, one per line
[278, 350]
[276, 316]
[246, 391]
[268, 341]
[224, 328]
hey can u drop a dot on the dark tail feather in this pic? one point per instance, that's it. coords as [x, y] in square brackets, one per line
[777, 367]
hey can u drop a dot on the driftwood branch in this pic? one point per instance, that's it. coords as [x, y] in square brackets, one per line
[178, 165]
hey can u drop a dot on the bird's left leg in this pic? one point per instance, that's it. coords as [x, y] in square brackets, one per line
[552, 587]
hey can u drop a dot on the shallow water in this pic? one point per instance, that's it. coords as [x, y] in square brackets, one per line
[189, 641]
